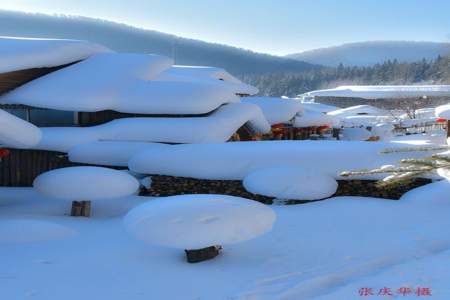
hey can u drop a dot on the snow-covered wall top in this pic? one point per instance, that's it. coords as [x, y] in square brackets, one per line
[26, 53]
[215, 128]
[122, 82]
[234, 161]
[383, 91]
[17, 133]
[276, 110]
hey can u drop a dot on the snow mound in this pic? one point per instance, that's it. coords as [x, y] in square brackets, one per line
[383, 91]
[203, 73]
[443, 111]
[197, 221]
[109, 153]
[276, 110]
[216, 128]
[17, 133]
[26, 53]
[355, 134]
[290, 183]
[310, 118]
[85, 183]
[23, 231]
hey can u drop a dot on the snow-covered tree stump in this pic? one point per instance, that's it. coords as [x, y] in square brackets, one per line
[199, 255]
[81, 209]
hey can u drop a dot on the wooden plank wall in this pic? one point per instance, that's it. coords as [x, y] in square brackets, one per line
[22, 166]
[11, 80]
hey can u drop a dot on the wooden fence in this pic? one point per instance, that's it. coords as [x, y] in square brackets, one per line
[22, 166]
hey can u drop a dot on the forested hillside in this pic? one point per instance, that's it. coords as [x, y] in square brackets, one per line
[391, 72]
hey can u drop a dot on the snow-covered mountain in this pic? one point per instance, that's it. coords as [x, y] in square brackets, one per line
[370, 53]
[124, 38]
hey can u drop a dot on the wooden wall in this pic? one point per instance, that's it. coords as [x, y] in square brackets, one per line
[11, 80]
[22, 166]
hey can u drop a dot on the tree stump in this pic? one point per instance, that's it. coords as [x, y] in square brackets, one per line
[81, 209]
[199, 255]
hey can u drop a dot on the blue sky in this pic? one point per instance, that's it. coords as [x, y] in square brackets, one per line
[271, 26]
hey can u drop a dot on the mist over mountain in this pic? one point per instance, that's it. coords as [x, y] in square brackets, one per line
[124, 38]
[371, 53]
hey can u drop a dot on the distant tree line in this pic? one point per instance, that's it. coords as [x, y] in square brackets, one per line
[435, 71]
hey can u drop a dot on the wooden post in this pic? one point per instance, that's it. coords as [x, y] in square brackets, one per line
[198, 255]
[448, 128]
[81, 209]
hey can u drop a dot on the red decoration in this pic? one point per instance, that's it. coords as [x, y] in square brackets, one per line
[441, 120]
[4, 152]
[278, 126]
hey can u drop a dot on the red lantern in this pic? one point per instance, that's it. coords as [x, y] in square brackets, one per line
[441, 120]
[4, 152]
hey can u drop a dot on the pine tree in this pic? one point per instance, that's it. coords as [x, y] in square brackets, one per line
[410, 168]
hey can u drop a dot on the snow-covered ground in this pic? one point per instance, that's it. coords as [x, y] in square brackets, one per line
[322, 250]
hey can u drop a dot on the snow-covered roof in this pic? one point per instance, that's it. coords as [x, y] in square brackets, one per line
[203, 73]
[122, 82]
[365, 120]
[276, 110]
[319, 107]
[358, 110]
[26, 53]
[309, 118]
[443, 111]
[383, 91]
[215, 128]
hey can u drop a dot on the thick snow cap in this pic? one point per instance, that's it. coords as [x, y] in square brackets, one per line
[198, 221]
[276, 110]
[290, 183]
[215, 128]
[383, 91]
[212, 74]
[358, 110]
[26, 53]
[122, 82]
[17, 133]
[443, 111]
[234, 161]
[85, 183]
[109, 153]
